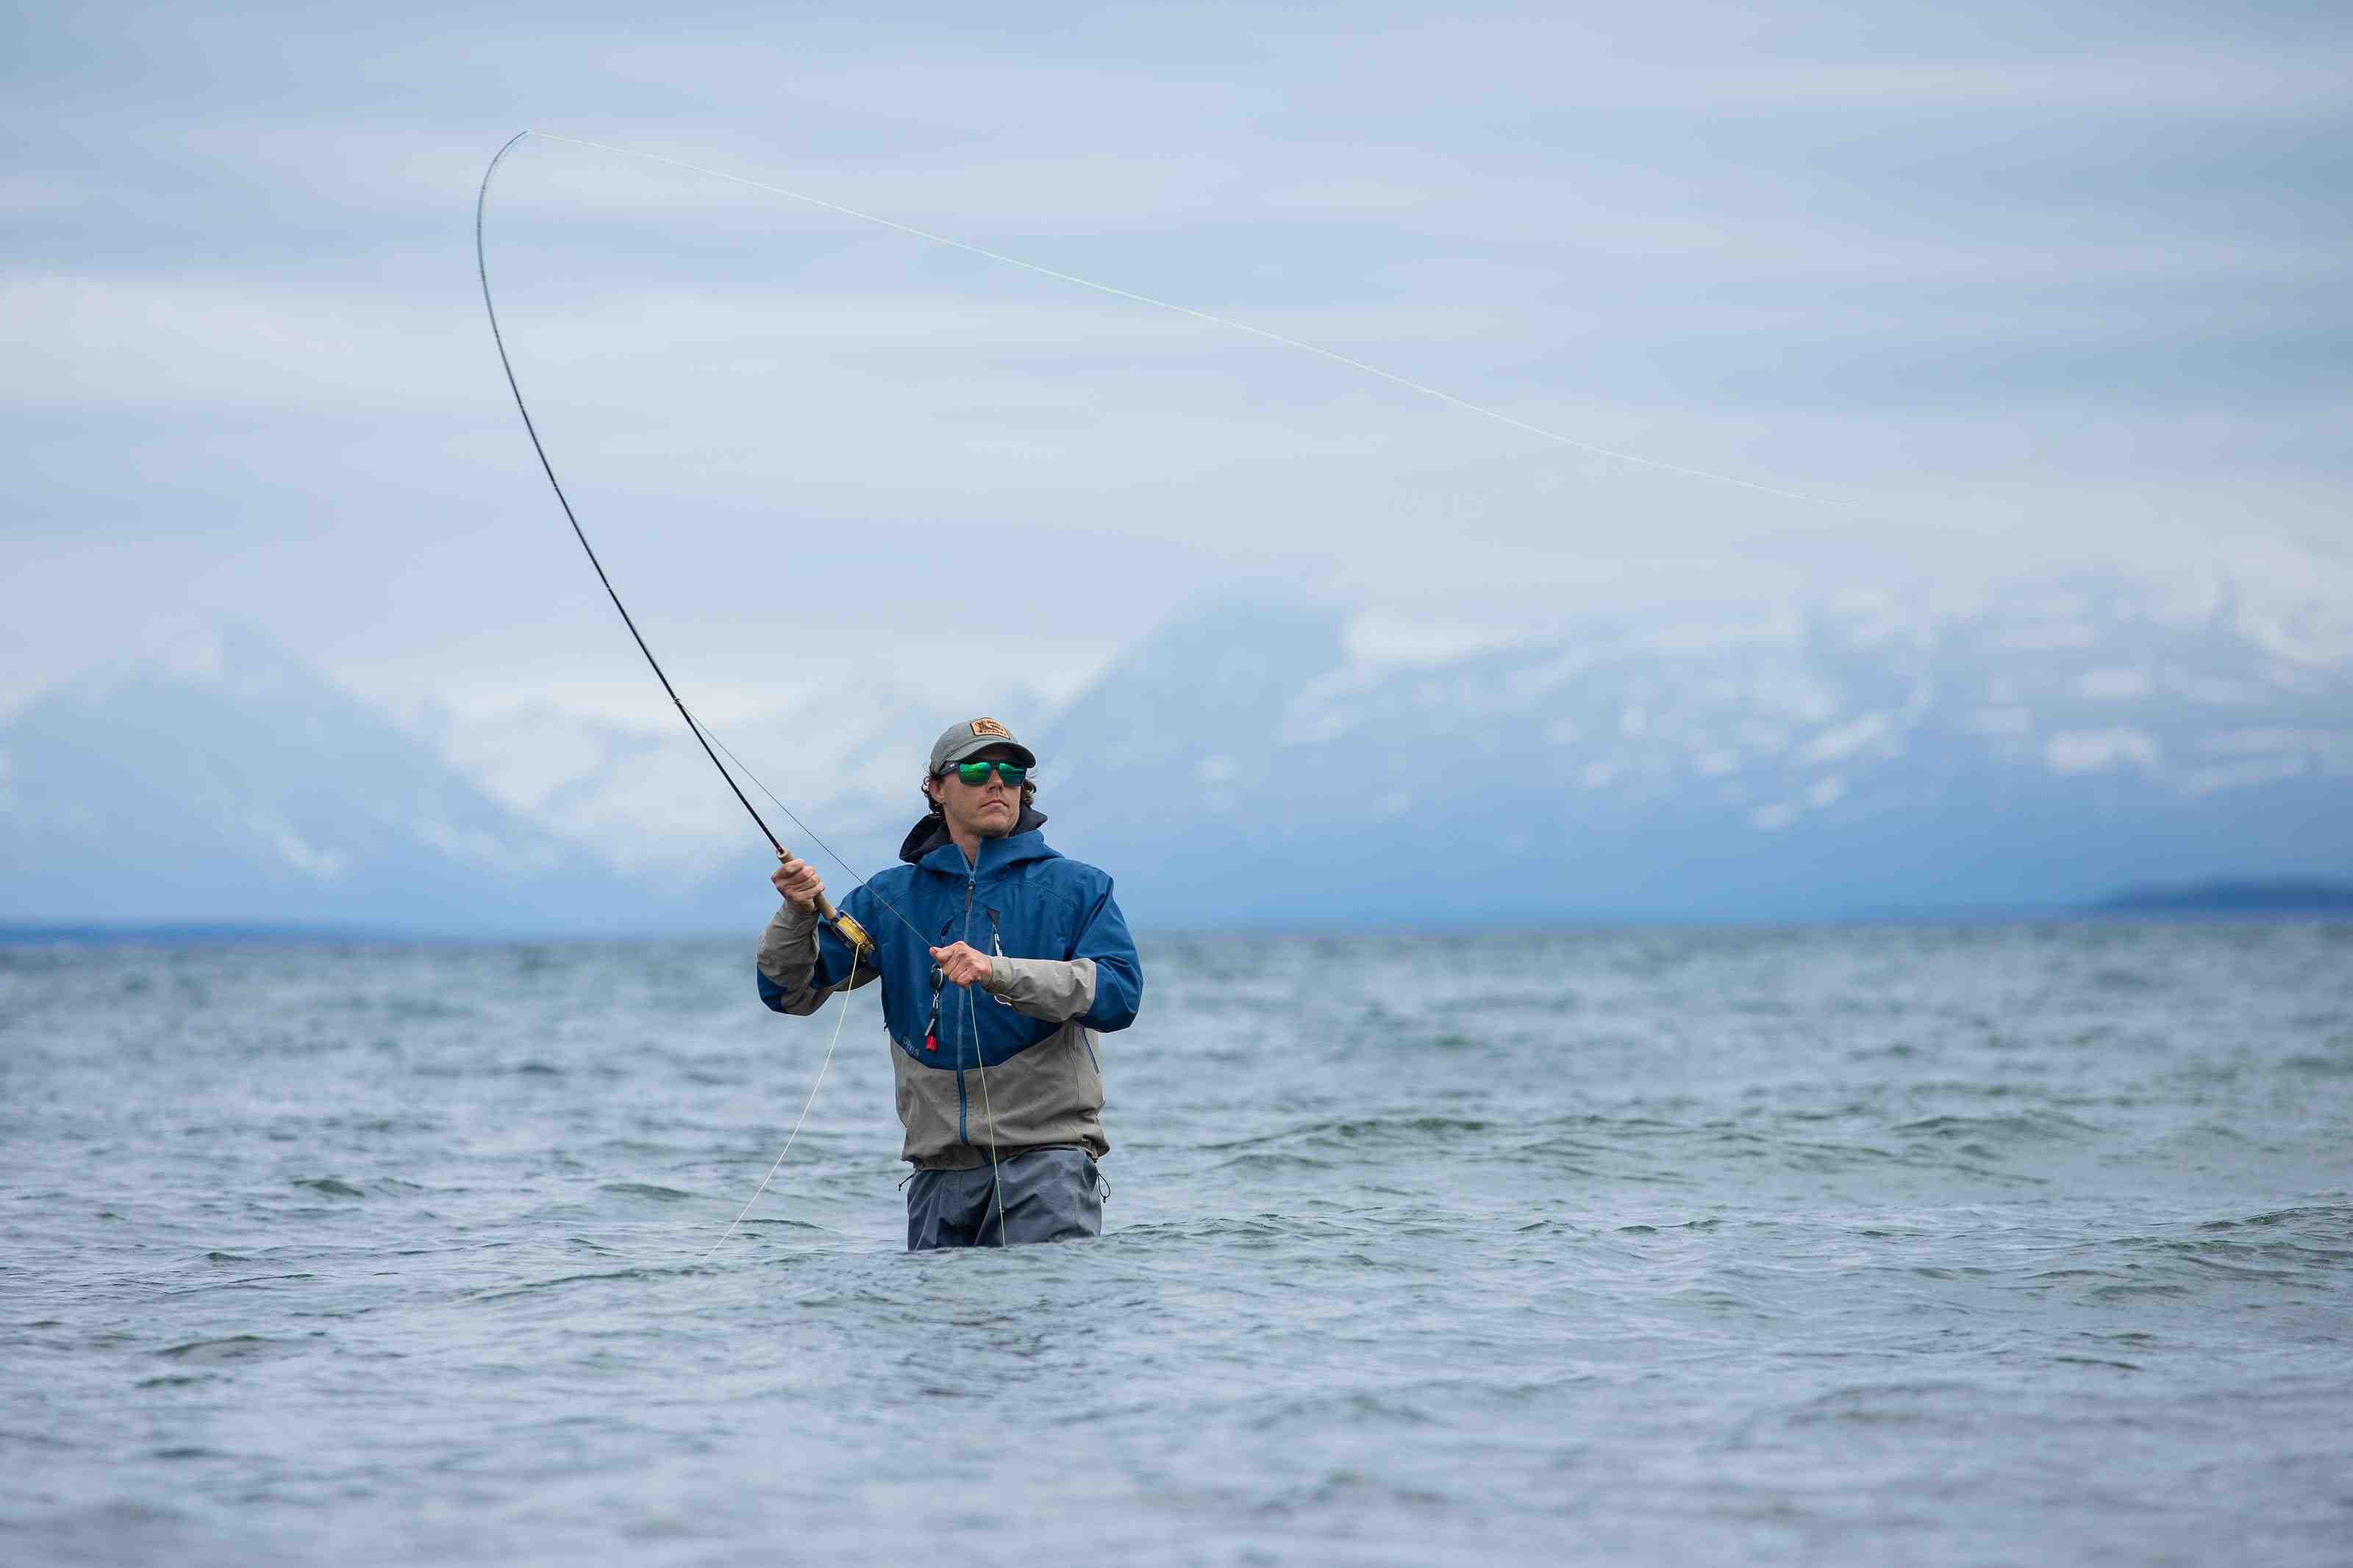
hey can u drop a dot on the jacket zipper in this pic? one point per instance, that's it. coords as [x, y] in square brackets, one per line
[972, 1020]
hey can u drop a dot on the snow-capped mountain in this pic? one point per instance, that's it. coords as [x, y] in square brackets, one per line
[1266, 761]
[220, 780]
[2042, 752]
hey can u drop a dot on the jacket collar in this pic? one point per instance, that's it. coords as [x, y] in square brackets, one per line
[928, 844]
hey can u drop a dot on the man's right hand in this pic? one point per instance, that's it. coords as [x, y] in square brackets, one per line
[798, 883]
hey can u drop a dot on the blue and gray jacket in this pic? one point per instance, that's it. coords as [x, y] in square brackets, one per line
[1063, 969]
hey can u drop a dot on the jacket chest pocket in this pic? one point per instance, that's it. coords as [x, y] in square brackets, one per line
[1022, 925]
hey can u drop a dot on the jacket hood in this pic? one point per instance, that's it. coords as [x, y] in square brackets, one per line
[930, 832]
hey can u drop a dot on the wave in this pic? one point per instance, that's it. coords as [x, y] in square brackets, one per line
[2038, 1126]
[646, 1189]
[236, 1348]
[333, 1187]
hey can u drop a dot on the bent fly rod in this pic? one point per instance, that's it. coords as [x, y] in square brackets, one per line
[850, 931]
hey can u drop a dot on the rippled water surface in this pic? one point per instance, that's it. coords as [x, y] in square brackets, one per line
[1873, 1245]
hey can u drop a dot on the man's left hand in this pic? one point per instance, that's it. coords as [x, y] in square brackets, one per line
[963, 964]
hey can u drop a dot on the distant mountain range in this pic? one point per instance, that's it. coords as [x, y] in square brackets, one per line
[1249, 764]
[2044, 752]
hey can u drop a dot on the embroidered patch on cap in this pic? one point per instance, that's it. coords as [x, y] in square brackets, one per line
[990, 727]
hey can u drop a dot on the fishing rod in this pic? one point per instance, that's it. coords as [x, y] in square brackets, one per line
[850, 929]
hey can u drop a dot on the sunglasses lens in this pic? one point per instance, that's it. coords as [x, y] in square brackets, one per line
[977, 773]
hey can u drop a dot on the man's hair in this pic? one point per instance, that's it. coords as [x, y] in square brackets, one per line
[932, 807]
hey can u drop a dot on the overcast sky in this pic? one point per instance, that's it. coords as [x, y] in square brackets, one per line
[1997, 288]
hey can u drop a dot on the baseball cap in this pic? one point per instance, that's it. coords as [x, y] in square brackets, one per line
[963, 742]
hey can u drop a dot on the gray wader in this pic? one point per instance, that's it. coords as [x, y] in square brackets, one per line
[1050, 1194]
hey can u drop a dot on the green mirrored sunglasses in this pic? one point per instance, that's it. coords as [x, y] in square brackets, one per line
[977, 773]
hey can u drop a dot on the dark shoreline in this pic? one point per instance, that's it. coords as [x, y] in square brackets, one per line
[2235, 897]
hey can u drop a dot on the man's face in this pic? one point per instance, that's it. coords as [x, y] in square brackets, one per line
[987, 810]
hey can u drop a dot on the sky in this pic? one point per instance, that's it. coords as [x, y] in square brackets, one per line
[1992, 291]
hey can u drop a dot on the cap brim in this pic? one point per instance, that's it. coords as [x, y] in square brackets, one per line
[980, 743]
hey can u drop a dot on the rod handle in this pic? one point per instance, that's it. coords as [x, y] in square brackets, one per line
[850, 931]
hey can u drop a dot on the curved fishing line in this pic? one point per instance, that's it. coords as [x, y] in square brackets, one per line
[796, 1121]
[972, 1020]
[1273, 337]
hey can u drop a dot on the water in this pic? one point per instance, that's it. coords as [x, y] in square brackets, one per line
[1868, 1245]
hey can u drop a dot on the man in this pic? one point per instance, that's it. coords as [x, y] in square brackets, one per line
[1022, 960]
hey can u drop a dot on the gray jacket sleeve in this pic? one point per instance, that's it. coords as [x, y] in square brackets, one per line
[1055, 990]
[789, 963]
[1101, 984]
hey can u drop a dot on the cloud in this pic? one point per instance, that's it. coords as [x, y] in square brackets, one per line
[2098, 751]
[2011, 288]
